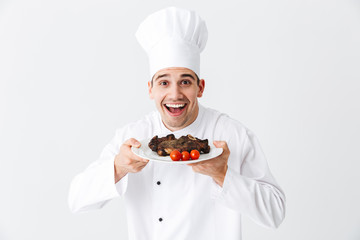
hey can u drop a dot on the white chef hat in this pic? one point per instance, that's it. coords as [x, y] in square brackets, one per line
[173, 37]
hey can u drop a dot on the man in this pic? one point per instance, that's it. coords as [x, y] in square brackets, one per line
[203, 200]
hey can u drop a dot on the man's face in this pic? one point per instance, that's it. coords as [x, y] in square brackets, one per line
[175, 92]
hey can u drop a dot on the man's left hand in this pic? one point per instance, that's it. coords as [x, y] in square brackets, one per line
[215, 167]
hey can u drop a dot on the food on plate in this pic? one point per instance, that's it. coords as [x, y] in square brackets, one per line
[155, 141]
[194, 154]
[185, 155]
[165, 145]
[175, 155]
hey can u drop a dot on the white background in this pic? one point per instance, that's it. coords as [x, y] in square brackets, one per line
[71, 72]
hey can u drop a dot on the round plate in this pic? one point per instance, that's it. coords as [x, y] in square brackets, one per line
[145, 152]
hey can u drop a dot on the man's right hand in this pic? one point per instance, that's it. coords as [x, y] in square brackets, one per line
[126, 161]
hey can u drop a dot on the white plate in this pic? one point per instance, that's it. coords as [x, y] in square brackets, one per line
[145, 152]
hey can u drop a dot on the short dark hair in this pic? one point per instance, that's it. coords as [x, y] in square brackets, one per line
[197, 79]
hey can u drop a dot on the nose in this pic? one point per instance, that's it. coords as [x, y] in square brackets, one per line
[175, 92]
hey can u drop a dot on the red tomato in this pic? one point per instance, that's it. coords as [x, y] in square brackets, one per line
[185, 155]
[175, 155]
[194, 154]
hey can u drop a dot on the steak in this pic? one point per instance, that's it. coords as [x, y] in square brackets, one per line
[165, 145]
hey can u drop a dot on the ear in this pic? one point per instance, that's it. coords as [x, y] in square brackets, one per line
[201, 88]
[150, 90]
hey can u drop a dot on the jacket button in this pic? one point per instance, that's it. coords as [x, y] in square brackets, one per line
[160, 219]
[158, 183]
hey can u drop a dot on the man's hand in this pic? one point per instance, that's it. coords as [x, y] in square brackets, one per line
[126, 161]
[215, 167]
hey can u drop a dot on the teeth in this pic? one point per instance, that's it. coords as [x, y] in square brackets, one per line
[175, 105]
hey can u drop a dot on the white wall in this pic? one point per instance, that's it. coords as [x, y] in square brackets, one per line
[71, 72]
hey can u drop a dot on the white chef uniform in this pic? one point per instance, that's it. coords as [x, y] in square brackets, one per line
[167, 201]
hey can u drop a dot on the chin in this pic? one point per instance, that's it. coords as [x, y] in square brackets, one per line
[175, 124]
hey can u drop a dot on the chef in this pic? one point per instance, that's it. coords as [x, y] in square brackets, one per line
[204, 200]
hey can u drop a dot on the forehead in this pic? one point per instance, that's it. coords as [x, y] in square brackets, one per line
[174, 72]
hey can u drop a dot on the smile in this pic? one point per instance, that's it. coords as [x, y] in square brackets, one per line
[175, 109]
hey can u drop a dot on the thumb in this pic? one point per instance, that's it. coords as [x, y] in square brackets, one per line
[219, 144]
[133, 142]
[136, 143]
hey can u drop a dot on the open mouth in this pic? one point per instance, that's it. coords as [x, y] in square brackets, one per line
[175, 109]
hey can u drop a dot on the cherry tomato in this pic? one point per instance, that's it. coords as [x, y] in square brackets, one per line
[175, 155]
[185, 155]
[194, 154]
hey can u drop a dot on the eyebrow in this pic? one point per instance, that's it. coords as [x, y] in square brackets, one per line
[188, 75]
[168, 75]
[161, 76]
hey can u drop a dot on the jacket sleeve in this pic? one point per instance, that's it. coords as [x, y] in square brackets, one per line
[95, 186]
[251, 189]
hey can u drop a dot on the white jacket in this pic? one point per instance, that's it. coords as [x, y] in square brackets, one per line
[168, 201]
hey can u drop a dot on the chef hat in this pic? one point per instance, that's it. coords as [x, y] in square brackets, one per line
[173, 37]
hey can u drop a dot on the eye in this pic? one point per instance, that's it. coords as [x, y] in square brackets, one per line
[163, 83]
[186, 82]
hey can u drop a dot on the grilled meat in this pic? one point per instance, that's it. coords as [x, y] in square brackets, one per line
[164, 146]
[155, 141]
